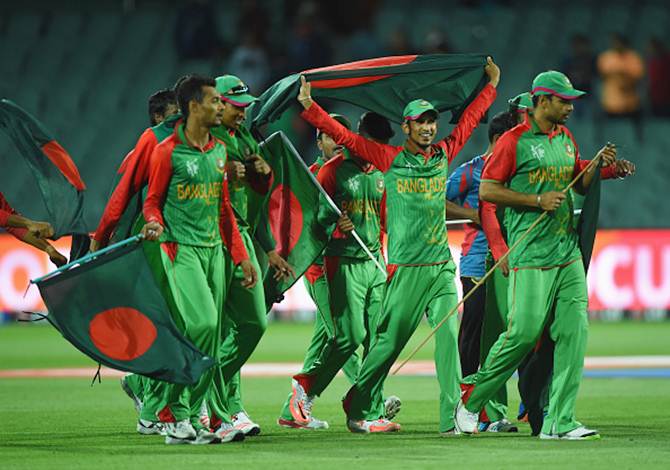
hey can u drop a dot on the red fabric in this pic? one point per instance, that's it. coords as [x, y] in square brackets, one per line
[165, 415]
[367, 64]
[5, 211]
[313, 273]
[491, 227]
[380, 155]
[327, 178]
[135, 170]
[391, 269]
[314, 168]
[230, 232]
[330, 265]
[170, 249]
[468, 121]
[61, 159]
[305, 380]
[160, 172]
[501, 165]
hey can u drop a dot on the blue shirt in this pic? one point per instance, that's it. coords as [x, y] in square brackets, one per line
[463, 189]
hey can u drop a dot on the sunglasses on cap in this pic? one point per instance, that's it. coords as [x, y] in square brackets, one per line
[238, 90]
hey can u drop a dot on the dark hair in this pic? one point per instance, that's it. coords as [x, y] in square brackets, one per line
[159, 101]
[179, 82]
[190, 89]
[376, 126]
[501, 123]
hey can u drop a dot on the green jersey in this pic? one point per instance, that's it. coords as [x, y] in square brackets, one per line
[357, 189]
[528, 160]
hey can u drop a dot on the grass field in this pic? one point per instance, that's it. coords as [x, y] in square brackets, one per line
[66, 423]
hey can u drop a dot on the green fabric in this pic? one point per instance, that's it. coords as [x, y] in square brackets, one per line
[384, 85]
[233, 89]
[411, 293]
[322, 336]
[358, 193]
[537, 297]
[553, 82]
[521, 102]
[96, 292]
[543, 164]
[193, 200]
[196, 279]
[416, 108]
[415, 208]
[55, 199]
[136, 384]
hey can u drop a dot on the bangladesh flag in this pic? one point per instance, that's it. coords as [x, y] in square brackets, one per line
[40, 159]
[287, 213]
[384, 85]
[110, 308]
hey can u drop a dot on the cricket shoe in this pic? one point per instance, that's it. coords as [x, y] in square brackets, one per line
[148, 428]
[579, 434]
[228, 433]
[137, 403]
[465, 421]
[296, 404]
[242, 422]
[312, 424]
[203, 417]
[502, 425]
[392, 407]
[181, 432]
[451, 433]
[378, 425]
[205, 436]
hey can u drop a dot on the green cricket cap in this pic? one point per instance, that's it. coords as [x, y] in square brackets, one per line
[339, 118]
[522, 102]
[556, 83]
[416, 108]
[233, 90]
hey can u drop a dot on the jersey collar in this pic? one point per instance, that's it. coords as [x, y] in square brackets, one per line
[181, 137]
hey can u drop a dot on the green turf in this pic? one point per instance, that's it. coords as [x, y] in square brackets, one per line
[37, 346]
[64, 423]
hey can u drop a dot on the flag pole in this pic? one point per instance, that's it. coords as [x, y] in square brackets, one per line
[592, 163]
[89, 257]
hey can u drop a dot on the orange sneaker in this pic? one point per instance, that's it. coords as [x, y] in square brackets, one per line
[296, 404]
[378, 425]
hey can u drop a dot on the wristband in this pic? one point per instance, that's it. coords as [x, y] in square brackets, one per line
[539, 199]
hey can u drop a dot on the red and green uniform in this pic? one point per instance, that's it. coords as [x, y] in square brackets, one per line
[245, 319]
[188, 196]
[421, 271]
[355, 283]
[547, 284]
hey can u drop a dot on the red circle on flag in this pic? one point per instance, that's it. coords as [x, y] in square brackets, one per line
[285, 213]
[122, 333]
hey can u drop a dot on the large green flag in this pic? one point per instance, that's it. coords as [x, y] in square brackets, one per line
[287, 213]
[384, 85]
[111, 309]
[58, 196]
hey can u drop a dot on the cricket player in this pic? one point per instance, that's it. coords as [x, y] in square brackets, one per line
[420, 271]
[529, 168]
[32, 232]
[188, 211]
[245, 308]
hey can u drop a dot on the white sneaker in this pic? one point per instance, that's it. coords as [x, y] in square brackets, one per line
[204, 436]
[579, 434]
[137, 403]
[228, 433]
[368, 426]
[392, 407]
[296, 404]
[242, 422]
[181, 432]
[503, 425]
[148, 428]
[465, 421]
[312, 424]
[203, 417]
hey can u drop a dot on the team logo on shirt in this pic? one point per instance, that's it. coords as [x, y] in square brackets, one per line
[537, 150]
[354, 184]
[380, 185]
[570, 150]
[220, 165]
[192, 168]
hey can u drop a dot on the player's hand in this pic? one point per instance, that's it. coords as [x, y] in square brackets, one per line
[55, 257]
[283, 270]
[40, 229]
[236, 170]
[550, 200]
[344, 223]
[504, 267]
[250, 274]
[493, 71]
[607, 154]
[259, 165]
[624, 168]
[152, 231]
[305, 94]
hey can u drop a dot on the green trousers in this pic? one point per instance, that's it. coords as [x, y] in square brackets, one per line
[322, 336]
[411, 293]
[245, 322]
[555, 297]
[195, 277]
